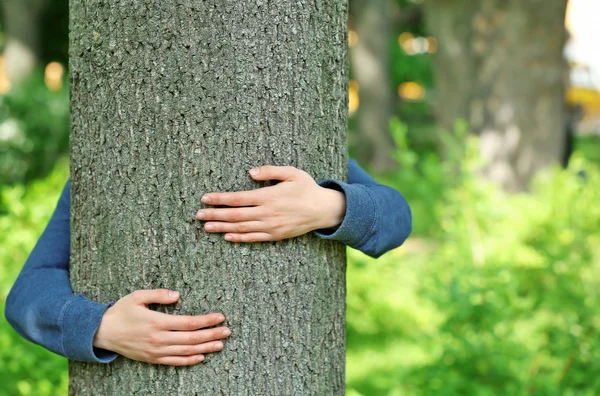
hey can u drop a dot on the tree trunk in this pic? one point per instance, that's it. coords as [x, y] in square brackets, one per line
[173, 99]
[371, 69]
[500, 67]
[22, 27]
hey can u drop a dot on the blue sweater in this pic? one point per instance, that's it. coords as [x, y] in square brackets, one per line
[42, 307]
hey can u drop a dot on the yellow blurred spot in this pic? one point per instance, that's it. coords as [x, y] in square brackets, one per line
[353, 99]
[352, 38]
[433, 45]
[53, 76]
[411, 91]
[4, 81]
[405, 41]
[96, 36]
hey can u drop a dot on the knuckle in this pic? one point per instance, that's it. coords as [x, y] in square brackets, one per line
[236, 200]
[150, 358]
[154, 340]
[194, 339]
[188, 350]
[137, 295]
[235, 216]
[274, 225]
[157, 323]
[193, 324]
[242, 228]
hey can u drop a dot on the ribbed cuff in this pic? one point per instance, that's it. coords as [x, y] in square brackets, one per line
[79, 323]
[359, 218]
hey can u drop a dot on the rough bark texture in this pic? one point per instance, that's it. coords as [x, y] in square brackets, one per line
[371, 69]
[500, 66]
[173, 99]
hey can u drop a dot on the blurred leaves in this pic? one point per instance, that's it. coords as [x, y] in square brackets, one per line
[501, 299]
[25, 368]
[34, 130]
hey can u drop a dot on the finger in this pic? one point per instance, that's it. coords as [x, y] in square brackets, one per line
[233, 215]
[180, 360]
[246, 226]
[185, 322]
[250, 237]
[237, 198]
[196, 337]
[156, 296]
[191, 350]
[270, 172]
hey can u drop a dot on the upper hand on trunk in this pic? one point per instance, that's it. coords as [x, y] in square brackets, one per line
[294, 206]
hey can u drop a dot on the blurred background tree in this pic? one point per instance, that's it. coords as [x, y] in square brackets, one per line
[453, 102]
[500, 66]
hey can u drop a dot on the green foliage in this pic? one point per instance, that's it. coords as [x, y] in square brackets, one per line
[500, 300]
[34, 130]
[25, 368]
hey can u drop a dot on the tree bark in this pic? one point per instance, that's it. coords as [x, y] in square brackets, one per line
[371, 69]
[173, 99]
[500, 67]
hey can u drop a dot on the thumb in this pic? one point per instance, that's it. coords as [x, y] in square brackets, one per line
[156, 296]
[270, 172]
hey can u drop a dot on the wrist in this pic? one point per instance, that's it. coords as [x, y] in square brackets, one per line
[332, 208]
[101, 338]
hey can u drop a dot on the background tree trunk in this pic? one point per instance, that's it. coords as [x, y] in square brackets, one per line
[491, 70]
[22, 48]
[173, 99]
[371, 69]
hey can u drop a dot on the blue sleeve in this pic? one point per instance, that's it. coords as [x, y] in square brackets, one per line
[377, 217]
[41, 305]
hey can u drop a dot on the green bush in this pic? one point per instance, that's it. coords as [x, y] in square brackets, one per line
[500, 300]
[25, 368]
[34, 130]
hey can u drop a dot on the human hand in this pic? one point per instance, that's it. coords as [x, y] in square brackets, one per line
[295, 206]
[133, 330]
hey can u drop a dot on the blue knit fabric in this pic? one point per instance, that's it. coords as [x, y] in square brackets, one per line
[42, 307]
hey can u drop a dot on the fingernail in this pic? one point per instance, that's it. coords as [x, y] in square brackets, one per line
[226, 332]
[173, 294]
[228, 238]
[206, 199]
[220, 318]
[200, 358]
[254, 171]
[201, 215]
[218, 346]
[209, 227]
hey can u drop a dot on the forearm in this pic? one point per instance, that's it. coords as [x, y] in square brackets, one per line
[41, 305]
[377, 217]
[42, 308]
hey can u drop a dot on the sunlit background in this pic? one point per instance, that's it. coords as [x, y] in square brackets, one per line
[497, 290]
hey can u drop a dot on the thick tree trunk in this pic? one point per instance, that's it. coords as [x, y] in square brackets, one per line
[500, 67]
[173, 99]
[22, 27]
[371, 69]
